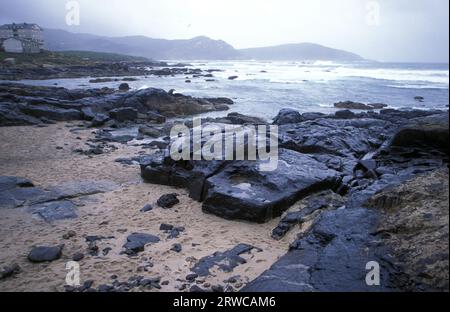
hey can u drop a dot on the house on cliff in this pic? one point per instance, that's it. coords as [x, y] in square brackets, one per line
[21, 38]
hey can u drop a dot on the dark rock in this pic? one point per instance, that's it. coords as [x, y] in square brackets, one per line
[345, 114]
[356, 105]
[217, 288]
[432, 131]
[331, 257]
[69, 234]
[195, 288]
[78, 256]
[44, 253]
[147, 208]
[232, 77]
[168, 200]
[238, 119]
[150, 131]
[166, 227]
[220, 100]
[191, 277]
[312, 116]
[102, 80]
[54, 211]
[124, 87]
[105, 288]
[124, 114]
[225, 261]
[52, 113]
[160, 168]
[106, 251]
[99, 120]
[137, 241]
[241, 191]
[176, 247]
[287, 116]
[9, 271]
[326, 200]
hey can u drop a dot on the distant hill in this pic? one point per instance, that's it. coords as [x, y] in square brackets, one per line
[299, 51]
[158, 49]
[198, 48]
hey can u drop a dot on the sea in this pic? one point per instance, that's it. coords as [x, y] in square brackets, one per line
[264, 87]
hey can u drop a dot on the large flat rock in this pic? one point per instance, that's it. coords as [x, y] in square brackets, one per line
[242, 191]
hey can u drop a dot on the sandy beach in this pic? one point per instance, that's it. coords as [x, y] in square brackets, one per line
[35, 153]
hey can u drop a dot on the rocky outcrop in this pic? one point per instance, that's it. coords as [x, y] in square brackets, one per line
[357, 105]
[394, 212]
[25, 105]
[346, 155]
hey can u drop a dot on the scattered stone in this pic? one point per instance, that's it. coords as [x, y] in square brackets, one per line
[9, 271]
[166, 227]
[45, 254]
[191, 277]
[70, 234]
[106, 250]
[168, 200]
[176, 247]
[225, 261]
[146, 208]
[356, 105]
[78, 256]
[137, 241]
[217, 288]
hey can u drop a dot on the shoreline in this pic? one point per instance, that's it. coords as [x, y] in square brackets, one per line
[80, 137]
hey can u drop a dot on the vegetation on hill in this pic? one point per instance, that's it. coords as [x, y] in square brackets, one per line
[80, 58]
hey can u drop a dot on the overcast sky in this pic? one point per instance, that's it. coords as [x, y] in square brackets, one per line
[404, 30]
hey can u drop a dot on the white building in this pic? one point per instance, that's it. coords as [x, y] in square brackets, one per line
[21, 38]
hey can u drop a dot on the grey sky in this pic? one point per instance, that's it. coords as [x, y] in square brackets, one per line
[405, 30]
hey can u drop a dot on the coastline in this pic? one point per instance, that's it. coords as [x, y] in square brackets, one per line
[76, 136]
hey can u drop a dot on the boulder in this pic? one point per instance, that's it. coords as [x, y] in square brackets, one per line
[124, 87]
[345, 114]
[45, 254]
[287, 116]
[432, 131]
